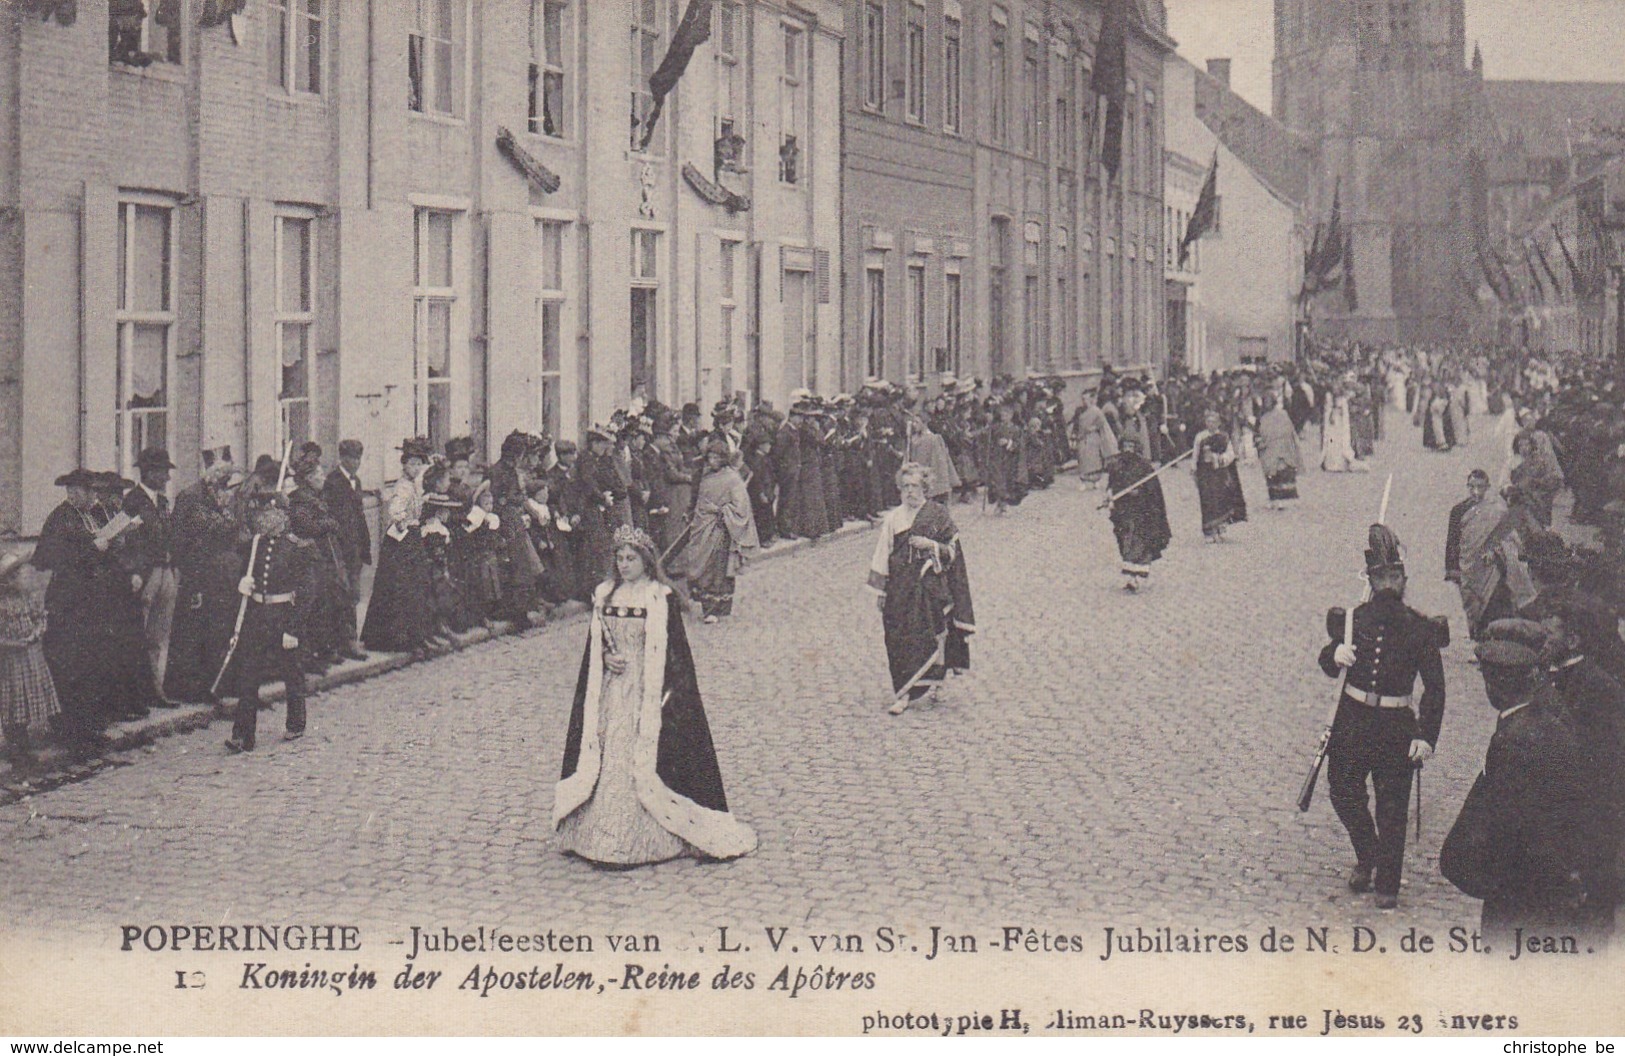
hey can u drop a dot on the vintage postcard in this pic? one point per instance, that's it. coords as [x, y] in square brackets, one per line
[853, 517]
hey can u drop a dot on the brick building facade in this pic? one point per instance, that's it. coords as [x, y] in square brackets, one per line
[980, 232]
[315, 220]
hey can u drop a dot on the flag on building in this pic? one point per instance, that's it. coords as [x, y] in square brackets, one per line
[1568, 259]
[1330, 263]
[1545, 266]
[1490, 278]
[1534, 277]
[1206, 216]
[1110, 80]
[1351, 296]
[694, 30]
[1311, 283]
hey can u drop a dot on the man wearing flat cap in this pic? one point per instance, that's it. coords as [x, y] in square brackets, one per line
[147, 555]
[1533, 839]
[1376, 736]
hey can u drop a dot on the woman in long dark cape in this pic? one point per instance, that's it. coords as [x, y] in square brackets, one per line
[1140, 517]
[640, 782]
[1218, 485]
[400, 613]
[918, 569]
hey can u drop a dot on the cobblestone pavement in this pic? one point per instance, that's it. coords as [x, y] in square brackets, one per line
[1110, 759]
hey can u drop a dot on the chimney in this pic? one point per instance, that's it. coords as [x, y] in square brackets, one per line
[1219, 70]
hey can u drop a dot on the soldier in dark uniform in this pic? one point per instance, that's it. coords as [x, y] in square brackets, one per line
[1534, 839]
[1376, 735]
[268, 644]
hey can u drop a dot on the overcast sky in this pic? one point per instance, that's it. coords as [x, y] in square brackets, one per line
[1560, 40]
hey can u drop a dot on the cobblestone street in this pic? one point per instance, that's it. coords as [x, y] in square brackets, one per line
[1110, 759]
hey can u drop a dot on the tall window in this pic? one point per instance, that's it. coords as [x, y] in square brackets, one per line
[648, 48]
[727, 46]
[295, 326]
[1066, 147]
[433, 295]
[1032, 320]
[874, 330]
[553, 245]
[874, 54]
[1152, 144]
[998, 254]
[914, 84]
[998, 85]
[1032, 110]
[953, 343]
[728, 297]
[792, 104]
[1065, 350]
[645, 344]
[294, 36]
[146, 326]
[549, 73]
[916, 320]
[431, 58]
[140, 35]
[952, 74]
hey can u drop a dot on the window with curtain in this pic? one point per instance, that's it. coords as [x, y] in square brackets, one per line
[432, 58]
[434, 294]
[549, 94]
[648, 47]
[145, 319]
[553, 246]
[293, 35]
[952, 74]
[295, 323]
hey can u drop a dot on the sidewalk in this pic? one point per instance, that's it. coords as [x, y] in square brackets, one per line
[54, 767]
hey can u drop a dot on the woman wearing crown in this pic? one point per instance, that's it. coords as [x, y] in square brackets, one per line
[640, 782]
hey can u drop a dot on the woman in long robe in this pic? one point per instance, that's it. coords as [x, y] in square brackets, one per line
[918, 569]
[1278, 455]
[1095, 441]
[1140, 517]
[1218, 485]
[1538, 476]
[400, 612]
[1493, 581]
[1337, 437]
[640, 782]
[724, 529]
[1004, 460]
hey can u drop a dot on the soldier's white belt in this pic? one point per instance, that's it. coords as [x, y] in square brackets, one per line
[1376, 700]
[272, 599]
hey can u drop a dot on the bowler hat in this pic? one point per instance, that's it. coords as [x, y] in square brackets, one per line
[154, 458]
[77, 478]
[417, 447]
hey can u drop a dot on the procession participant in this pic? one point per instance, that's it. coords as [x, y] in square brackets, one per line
[918, 571]
[926, 448]
[814, 501]
[1484, 540]
[758, 445]
[204, 540]
[723, 534]
[132, 690]
[83, 578]
[672, 484]
[565, 578]
[399, 614]
[1131, 417]
[27, 693]
[1218, 484]
[268, 644]
[1375, 735]
[1139, 517]
[1095, 441]
[1278, 454]
[1038, 449]
[521, 565]
[1537, 474]
[325, 627]
[599, 488]
[344, 496]
[1534, 839]
[1555, 569]
[448, 606]
[147, 556]
[829, 455]
[1004, 459]
[640, 782]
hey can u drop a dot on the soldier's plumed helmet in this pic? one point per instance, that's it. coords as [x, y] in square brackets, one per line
[1512, 644]
[1382, 552]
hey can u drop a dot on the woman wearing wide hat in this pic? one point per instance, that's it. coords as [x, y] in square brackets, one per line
[400, 613]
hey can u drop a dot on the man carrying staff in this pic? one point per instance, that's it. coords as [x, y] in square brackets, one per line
[1139, 515]
[1375, 734]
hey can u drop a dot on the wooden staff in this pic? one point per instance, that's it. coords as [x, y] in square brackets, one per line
[1159, 471]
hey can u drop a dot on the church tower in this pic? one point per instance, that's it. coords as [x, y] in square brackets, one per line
[1383, 89]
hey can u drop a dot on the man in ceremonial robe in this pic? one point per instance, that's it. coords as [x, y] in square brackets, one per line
[1139, 517]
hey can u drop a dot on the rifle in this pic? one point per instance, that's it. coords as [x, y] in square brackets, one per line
[1306, 794]
[237, 628]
